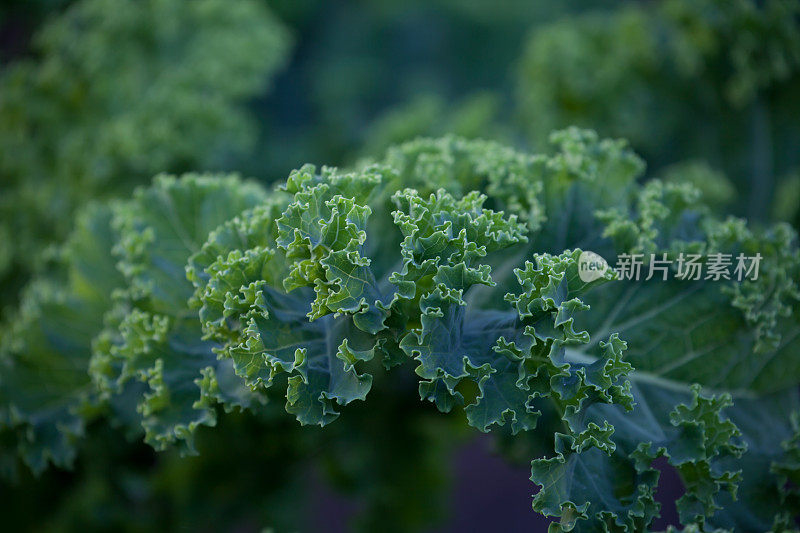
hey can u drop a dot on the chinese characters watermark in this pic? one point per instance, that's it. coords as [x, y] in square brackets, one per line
[688, 267]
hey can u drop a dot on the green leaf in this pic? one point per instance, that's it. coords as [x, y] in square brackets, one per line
[45, 391]
[301, 334]
[98, 107]
[152, 336]
[322, 233]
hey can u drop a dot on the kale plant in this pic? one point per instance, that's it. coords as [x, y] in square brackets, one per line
[114, 92]
[205, 295]
[682, 80]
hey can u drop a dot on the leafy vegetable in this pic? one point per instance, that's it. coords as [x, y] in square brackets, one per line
[116, 91]
[322, 292]
[682, 80]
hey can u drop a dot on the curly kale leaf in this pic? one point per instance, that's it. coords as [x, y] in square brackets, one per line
[99, 107]
[227, 296]
[152, 336]
[46, 394]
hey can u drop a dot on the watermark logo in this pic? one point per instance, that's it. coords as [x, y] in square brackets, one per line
[591, 267]
[691, 267]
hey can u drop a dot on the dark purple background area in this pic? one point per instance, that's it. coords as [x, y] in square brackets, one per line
[488, 494]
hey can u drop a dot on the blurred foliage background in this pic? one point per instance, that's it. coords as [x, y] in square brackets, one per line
[97, 96]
